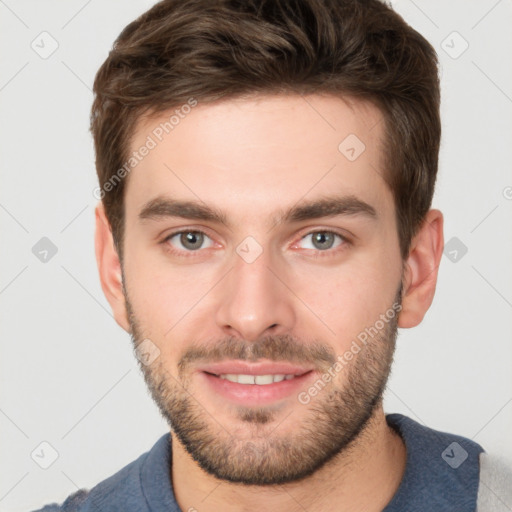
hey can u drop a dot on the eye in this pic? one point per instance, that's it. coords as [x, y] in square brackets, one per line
[189, 240]
[324, 240]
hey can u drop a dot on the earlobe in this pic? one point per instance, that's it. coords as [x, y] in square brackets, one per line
[109, 268]
[421, 269]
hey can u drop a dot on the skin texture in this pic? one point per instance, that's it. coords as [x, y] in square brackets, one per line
[252, 159]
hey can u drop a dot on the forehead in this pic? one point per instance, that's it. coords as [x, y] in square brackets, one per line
[260, 155]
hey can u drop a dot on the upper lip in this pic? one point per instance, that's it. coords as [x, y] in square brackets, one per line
[260, 368]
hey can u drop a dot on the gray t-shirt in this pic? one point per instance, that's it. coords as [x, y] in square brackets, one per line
[442, 473]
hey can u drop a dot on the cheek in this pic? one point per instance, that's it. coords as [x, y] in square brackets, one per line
[350, 298]
[171, 301]
[165, 297]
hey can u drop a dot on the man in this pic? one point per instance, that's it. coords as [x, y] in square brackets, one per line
[266, 173]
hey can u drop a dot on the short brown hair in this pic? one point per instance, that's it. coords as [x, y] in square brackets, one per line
[212, 50]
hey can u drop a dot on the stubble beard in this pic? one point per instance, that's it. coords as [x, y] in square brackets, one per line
[251, 449]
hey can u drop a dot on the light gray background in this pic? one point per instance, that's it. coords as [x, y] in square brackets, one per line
[68, 373]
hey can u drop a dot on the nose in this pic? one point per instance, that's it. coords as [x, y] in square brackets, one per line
[254, 299]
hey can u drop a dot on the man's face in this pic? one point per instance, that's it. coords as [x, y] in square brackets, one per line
[259, 293]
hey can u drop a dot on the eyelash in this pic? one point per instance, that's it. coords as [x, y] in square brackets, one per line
[317, 254]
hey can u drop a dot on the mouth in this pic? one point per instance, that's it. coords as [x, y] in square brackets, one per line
[254, 384]
[260, 380]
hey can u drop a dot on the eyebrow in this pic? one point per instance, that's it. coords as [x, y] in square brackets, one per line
[331, 206]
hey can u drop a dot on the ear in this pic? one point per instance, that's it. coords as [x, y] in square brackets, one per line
[109, 268]
[420, 273]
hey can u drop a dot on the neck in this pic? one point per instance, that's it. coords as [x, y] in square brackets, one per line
[363, 477]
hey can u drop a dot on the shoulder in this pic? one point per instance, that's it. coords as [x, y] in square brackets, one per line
[109, 491]
[122, 491]
[495, 489]
[435, 447]
[72, 503]
[442, 469]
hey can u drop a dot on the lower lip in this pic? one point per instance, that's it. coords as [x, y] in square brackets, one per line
[256, 394]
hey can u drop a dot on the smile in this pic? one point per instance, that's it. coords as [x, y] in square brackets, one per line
[260, 380]
[260, 387]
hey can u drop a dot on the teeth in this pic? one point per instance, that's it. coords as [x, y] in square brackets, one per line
[245, 379]
[263, 379]
[255, 379]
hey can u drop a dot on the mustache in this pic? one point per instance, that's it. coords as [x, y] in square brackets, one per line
[275, 348]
